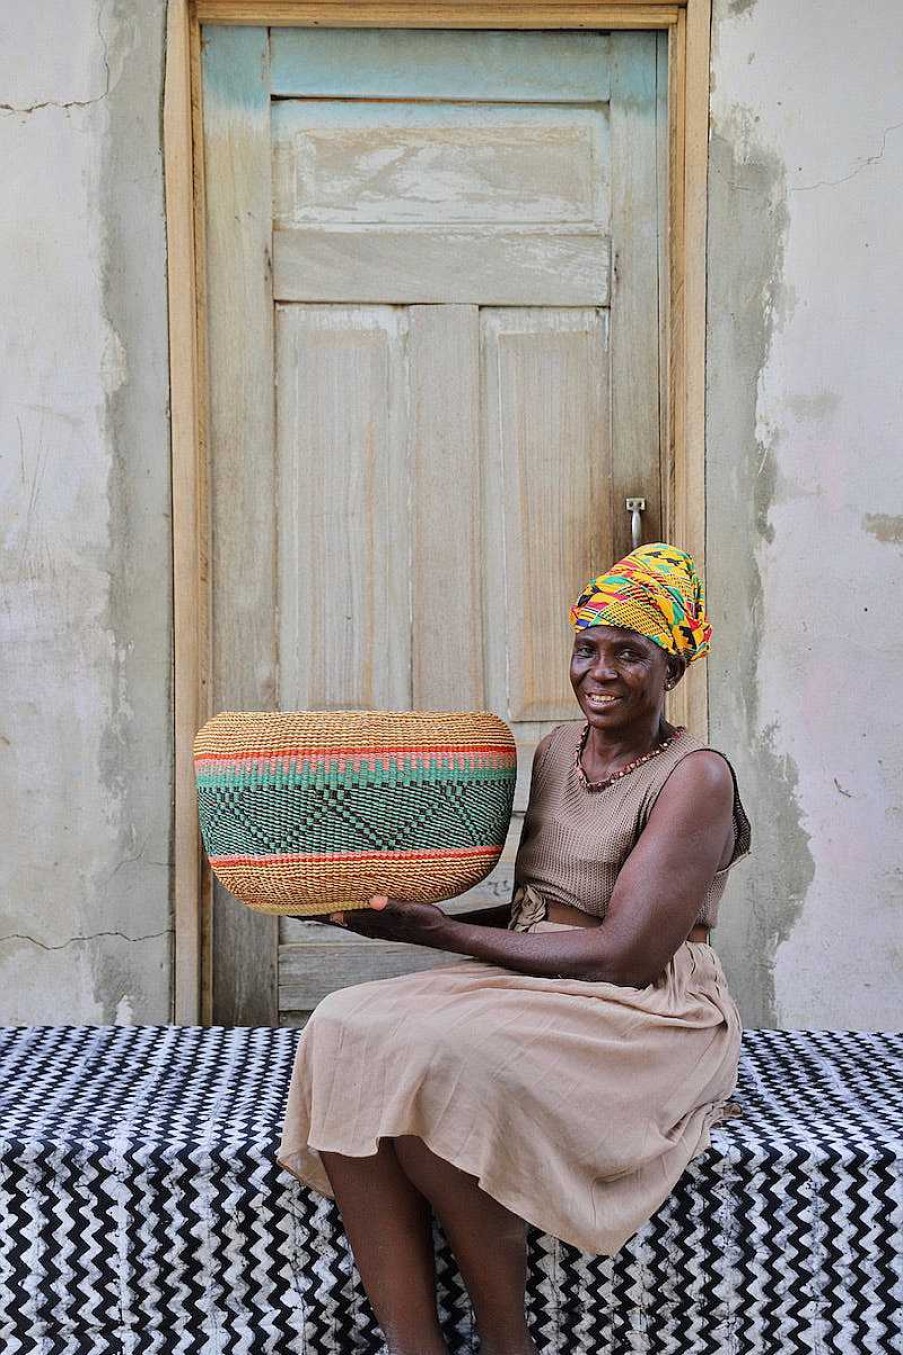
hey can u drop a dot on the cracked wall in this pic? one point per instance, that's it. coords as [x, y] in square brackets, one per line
[805, 501]
[85, 932]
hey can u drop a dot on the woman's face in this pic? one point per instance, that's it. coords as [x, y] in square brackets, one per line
[618, 676]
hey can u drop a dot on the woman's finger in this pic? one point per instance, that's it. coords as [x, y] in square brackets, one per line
[379, 902]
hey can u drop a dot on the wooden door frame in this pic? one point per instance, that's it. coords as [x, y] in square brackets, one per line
[688, 26]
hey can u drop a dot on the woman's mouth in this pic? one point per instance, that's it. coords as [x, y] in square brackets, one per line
[600, 700]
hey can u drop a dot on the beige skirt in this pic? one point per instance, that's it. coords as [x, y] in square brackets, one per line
[577, 1105]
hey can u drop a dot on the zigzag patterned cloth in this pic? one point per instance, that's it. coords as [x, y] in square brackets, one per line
[142, 1211]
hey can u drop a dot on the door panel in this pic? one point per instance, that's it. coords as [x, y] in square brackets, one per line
[464, 237]
[637, 372]
[313, 966]
[447, 545]
[441, 203]
[365, 163]
[547, 437]
[240, 954]
[413, 64]
[342, 434]
[499, 266]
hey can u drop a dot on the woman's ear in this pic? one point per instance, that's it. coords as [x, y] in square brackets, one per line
[674, 672]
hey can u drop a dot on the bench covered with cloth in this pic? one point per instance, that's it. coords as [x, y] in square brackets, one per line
[142, 1211]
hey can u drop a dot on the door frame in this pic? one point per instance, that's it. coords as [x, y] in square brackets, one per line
[688, 27]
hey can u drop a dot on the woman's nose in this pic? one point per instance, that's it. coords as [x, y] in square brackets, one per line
[602, 668]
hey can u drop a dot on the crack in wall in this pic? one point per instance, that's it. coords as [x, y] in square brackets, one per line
[94, 936]
[25, 109]
[51, 103]
[869, 160]
[132, 861]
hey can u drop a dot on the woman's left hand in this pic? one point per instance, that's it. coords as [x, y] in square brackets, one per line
[393, 920]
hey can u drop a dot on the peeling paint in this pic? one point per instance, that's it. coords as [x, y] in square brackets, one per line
[114, 370]
[748, 224]
[136, 757]
[885, 527]
[817, 407]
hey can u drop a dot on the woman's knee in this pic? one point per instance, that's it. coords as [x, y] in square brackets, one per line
[337, 1010]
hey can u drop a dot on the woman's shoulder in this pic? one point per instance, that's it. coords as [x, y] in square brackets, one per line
[703, 773]
[698, 773]
[689, 762]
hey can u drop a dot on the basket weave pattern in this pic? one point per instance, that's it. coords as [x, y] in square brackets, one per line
[303, 811]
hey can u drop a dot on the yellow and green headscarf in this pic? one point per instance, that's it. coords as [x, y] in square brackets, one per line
[654, 590]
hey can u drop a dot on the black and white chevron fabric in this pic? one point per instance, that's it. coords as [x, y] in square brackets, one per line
[142, 1211]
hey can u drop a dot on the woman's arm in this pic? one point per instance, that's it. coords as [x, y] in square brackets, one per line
[497, 916]
[654, 904]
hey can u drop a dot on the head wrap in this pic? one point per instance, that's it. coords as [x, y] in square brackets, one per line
[654, 590]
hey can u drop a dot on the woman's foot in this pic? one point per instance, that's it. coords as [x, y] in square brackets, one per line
[522, 1344]
[420, 1347]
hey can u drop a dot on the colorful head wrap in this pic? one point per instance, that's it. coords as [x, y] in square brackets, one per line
[654, 590]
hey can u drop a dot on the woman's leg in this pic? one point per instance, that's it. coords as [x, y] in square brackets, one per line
[489, 1243]
[390, 1230]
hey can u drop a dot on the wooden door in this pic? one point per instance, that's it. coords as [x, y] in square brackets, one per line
[434, 308]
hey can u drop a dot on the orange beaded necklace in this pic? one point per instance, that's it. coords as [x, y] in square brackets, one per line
[622, 771]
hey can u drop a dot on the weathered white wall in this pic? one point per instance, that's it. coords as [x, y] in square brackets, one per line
[85, 931]
[805, 499]
[805, 508]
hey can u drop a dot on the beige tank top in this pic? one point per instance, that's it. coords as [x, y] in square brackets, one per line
[575, 840]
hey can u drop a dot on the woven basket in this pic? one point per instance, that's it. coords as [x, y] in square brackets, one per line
[304, 811]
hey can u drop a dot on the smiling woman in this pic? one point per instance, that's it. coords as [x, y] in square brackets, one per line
[566, 1072]
[617, 678]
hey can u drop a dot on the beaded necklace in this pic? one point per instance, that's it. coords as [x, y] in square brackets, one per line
[622, 771]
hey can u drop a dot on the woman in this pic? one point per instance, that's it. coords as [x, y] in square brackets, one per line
[567, 1072]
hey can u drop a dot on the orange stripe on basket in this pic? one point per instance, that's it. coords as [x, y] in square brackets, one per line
[428, 854]
[348, 750]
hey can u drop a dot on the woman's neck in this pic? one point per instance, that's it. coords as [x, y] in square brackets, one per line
[605, 751]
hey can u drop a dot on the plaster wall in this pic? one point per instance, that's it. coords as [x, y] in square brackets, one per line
[805, 500]
[85, 930]
[805, 508]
